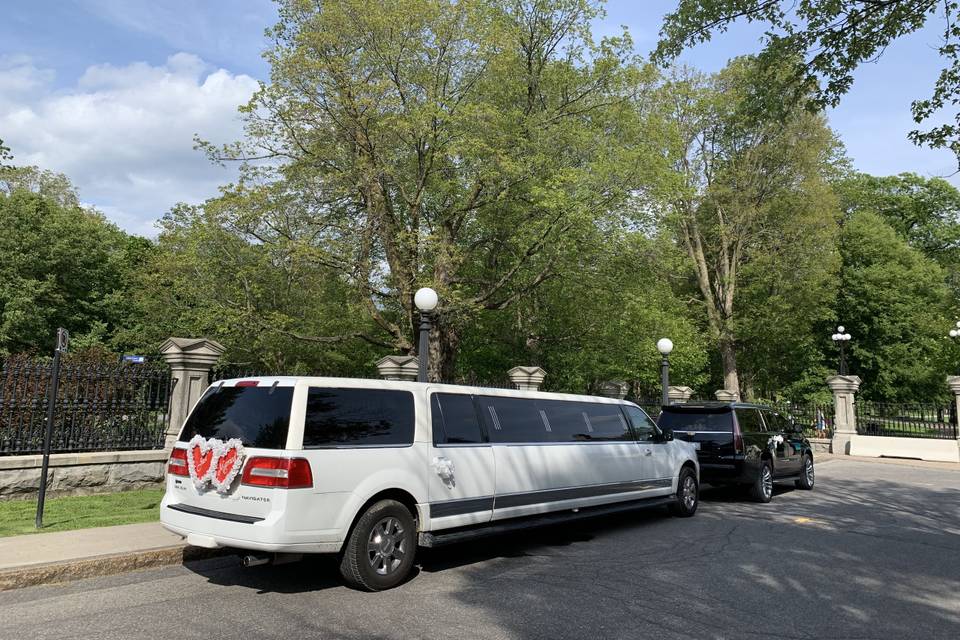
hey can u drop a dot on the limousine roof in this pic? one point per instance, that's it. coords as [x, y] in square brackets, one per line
[378, 383]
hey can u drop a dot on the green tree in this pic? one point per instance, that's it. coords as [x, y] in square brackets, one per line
[47, 184]
[464, 145]
[60, 266]
[924, 211]
[827, 40]
[743, 185]
[894, 301]
[4, 153]
[260, 299]
[598, 321]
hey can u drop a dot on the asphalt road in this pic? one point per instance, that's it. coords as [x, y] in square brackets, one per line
[872, 552]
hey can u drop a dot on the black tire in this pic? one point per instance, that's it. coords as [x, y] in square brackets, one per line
[807, 475]
[380, 549]
[762, 488]
[688, 494]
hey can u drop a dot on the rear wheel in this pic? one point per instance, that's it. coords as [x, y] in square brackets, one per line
[688, 494]
[381, 547]
[807, 475]
[762, 488]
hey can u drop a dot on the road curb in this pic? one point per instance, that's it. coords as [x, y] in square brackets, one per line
[66, 571]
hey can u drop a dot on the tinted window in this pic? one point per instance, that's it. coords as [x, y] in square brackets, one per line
[515, 420]
[607, 422]
[258, 416]
[358, 417]
[568, 420]
[696, 420]
[776, 422]
[456, 418]
[749, 421]
[642, 425]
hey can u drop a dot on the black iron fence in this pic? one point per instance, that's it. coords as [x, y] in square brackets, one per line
[906, 420]
[99, 407]
[815, 418]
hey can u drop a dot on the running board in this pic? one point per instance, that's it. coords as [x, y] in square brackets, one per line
[430, 539]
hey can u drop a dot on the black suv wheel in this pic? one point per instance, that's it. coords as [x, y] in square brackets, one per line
[807, 475]
[762, 488]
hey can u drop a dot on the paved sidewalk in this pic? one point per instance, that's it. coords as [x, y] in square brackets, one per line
[67, 555]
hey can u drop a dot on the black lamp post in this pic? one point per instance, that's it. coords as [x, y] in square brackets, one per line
[665, 346]
[426, 301]
[955, 333]
[841, 338]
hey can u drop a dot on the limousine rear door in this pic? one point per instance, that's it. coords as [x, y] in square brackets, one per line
[557, 454]
[461, 475]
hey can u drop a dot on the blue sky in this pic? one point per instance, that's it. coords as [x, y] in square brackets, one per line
[111, 92]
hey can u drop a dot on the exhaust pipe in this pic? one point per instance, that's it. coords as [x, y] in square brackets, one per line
[277, 558]
[254, 561]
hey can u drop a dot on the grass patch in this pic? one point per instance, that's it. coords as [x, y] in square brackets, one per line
[81, 512]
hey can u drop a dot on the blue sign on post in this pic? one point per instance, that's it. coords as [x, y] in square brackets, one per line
[135, 359]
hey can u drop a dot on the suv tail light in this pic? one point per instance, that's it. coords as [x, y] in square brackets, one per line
[177, 465]
[283, 473]
[737, 438]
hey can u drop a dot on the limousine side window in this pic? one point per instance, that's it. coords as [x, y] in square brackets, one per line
[357, 417]
[642, 424]
[607, 421]
[454, 419]
[532, 421]
[515, 420]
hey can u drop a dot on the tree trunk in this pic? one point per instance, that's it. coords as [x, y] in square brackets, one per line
[728, 359]
[444, 344]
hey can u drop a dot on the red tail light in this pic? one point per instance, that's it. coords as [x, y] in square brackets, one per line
[247, 383]
[737, 439]
[284, 473]
[177, 465]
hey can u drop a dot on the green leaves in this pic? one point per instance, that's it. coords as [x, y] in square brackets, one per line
[816, 45]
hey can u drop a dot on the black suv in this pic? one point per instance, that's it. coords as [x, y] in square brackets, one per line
[742, 444]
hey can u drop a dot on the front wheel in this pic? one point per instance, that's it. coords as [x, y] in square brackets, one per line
[807, 476]
[688, 494]
[380, 549]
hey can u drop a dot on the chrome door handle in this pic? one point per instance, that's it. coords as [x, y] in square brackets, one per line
[648, 452]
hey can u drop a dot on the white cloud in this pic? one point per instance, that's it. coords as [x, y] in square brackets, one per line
[124, 135]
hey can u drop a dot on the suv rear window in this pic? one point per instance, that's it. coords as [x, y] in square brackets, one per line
[258, 416]
[358, 418]
[696, 420]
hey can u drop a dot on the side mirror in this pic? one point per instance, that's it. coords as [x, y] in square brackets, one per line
[666, 435]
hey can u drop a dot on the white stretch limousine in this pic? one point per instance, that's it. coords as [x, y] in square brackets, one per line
[370, 469]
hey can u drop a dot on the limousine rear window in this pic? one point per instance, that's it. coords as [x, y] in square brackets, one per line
[258, 416]
[357, 417]
[696, 420]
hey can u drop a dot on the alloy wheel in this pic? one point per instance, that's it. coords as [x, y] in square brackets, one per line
[386, 546]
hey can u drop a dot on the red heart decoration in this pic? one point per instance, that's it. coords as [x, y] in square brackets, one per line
[228, 459]
[201, 461]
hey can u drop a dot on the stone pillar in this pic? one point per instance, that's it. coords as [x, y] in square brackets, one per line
[954, 383]
[613, 389]
[527, 378]
[679, 395]
[190, 361]
[844, 390]
[398, 367]
[727, 395]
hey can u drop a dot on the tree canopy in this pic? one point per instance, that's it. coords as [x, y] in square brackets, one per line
[824, 41]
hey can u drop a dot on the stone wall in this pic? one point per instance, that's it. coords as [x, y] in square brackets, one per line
[82, 473]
